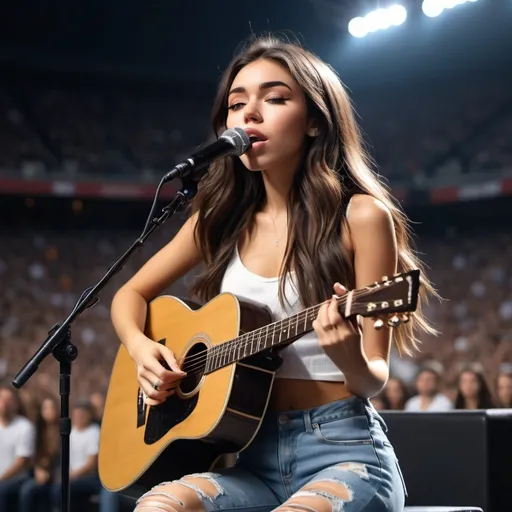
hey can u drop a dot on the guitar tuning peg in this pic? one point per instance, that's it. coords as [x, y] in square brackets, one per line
[378, 324]
[405, 318]
[394, 321]
[385, 278]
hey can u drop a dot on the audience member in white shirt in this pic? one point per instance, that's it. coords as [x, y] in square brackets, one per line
[84, 445]
[429, 398]
[17, 440]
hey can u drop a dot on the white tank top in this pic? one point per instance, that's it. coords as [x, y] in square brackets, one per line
[303, 359]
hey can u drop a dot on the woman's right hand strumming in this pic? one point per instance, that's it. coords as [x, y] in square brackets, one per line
[156, 381]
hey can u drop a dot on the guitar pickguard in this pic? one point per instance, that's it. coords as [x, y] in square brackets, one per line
[163, 417]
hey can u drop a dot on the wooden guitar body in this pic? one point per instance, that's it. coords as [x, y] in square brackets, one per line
[209, 415]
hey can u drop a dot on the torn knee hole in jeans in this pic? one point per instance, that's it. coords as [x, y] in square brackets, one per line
[334, 492]
[355, 467]
[203, 485]
[195, 482]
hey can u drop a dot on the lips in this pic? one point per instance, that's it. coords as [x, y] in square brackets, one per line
[255, 135]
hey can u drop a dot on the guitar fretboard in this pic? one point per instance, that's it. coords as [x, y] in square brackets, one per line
[272, 335]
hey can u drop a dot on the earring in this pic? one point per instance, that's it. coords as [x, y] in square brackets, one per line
[313, 132]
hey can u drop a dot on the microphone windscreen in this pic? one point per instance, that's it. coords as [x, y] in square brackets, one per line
[238, 138]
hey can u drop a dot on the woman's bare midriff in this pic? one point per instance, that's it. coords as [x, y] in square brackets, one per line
[295, 394]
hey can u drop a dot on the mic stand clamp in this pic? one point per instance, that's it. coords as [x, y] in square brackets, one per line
[59, 341]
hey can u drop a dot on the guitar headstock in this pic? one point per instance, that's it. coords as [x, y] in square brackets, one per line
[393, 297]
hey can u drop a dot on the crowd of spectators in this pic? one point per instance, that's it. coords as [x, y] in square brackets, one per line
[434, 127]
[30, 455]
[79, 131]
[414, 132]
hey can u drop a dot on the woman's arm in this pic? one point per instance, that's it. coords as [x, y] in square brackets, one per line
[128, 310]
[364, 360]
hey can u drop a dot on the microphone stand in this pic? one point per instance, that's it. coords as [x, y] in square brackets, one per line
[59, 341]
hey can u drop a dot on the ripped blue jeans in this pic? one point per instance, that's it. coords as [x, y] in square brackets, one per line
[298, 453]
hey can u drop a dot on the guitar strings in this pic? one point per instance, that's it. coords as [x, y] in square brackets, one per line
[225, 347]
[197, 362]
[221, 348]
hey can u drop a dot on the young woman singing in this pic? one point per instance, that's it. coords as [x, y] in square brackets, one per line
[298, 217]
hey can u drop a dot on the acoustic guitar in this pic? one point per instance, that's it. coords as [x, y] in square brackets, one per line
[230, 351]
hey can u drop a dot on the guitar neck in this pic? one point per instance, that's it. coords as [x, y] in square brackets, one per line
[272, 335]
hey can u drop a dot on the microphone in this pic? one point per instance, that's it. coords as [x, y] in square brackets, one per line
[232, 142]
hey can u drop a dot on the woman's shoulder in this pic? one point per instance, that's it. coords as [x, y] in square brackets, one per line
[364, 208]
[371, 228]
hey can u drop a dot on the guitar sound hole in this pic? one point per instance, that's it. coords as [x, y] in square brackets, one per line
[194, 364]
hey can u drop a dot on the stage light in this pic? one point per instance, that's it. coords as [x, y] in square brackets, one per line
[433, 8]
[357, 27]
[398, 14]
[380, 19]
[377, 20]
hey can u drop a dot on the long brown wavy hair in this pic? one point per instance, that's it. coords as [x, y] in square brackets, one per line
[335, 167]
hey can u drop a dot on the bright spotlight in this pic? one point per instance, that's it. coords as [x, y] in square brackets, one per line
[377, 20]
[398, 14]
[357, 27]
[433, 8]
[380, 19]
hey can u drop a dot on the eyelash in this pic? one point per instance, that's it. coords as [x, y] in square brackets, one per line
[273, 101]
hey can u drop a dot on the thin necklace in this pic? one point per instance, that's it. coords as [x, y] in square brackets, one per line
[277, 240]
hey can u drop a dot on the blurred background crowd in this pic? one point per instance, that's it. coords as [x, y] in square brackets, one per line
[446, 126]
[84, 130]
